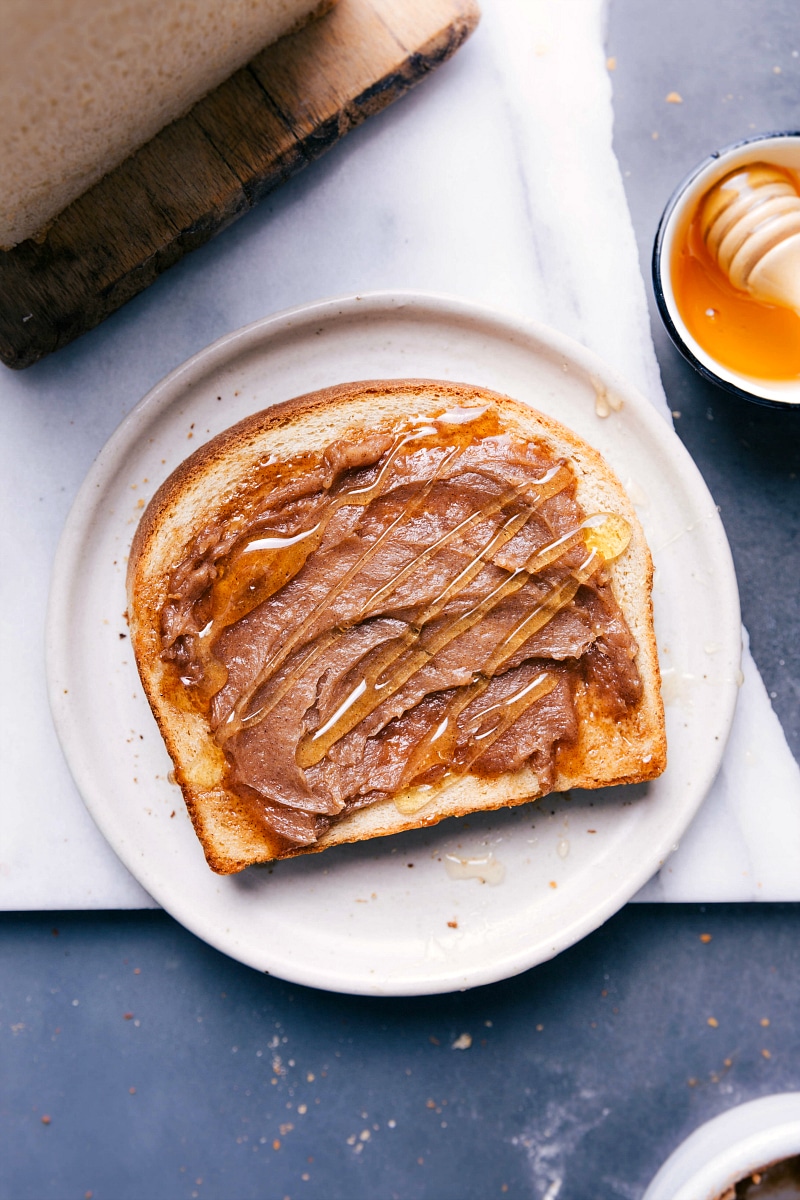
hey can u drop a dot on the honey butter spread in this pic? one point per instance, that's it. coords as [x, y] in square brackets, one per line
[410, 602]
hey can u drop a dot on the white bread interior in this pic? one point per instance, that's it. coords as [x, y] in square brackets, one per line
[607, 751]
[84, 83]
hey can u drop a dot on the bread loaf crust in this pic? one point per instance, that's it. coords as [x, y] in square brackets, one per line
[608, 751]
[75, 106]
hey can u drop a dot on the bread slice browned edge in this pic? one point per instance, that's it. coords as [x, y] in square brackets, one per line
[607, 751]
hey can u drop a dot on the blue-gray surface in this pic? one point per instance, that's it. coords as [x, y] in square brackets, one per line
[156, 1059]
[161, 1064]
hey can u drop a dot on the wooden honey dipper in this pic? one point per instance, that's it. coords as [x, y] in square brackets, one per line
[750, 221]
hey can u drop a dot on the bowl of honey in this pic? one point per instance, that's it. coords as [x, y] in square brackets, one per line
[750, 1152]
[726, 268]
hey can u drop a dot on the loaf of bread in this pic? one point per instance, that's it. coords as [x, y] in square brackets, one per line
[387, 603]
[84, 83]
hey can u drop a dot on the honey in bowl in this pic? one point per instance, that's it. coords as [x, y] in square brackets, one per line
[733, 271]
[779, 1181]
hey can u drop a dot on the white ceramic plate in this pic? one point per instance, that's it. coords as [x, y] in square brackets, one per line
[385, 917]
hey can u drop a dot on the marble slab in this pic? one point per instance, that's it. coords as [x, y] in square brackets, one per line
[494, 181]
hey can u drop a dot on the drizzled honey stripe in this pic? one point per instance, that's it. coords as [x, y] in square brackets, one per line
[438, 746]
[558, 477]
[553, 482]
[543, 557]
[361, 496]
[510, 710]
[391, 652]
[605, 535]
[372, 692]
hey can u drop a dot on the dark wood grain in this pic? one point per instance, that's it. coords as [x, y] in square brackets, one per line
[284, 109]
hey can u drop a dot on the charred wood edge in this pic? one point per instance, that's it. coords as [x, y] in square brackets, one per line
[51, 290]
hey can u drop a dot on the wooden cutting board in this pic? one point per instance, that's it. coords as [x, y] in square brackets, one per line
[280, 112]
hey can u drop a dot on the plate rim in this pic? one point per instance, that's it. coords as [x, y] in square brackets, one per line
[224, 352]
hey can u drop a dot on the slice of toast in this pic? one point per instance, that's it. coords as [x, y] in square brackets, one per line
[612, 745]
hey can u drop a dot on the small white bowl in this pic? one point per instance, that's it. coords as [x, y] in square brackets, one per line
[782, 149]
[729, 1148]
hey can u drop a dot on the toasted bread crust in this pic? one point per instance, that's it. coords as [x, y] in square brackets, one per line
[607, 752]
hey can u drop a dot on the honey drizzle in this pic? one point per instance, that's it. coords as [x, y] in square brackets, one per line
[308, 751]
[277, 546]
[349, 497]
[391, 652]
[510, 708]
[606, 536]
[370, 692]
[550, 484]
[554, 477]
[438, 747]
[509, 711]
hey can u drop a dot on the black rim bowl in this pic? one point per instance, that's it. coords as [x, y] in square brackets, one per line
[657, 273]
